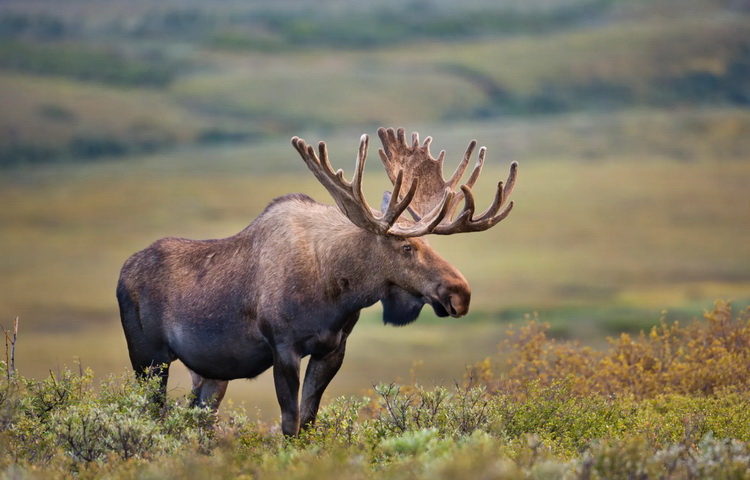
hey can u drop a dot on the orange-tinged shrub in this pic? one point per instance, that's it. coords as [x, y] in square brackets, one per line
[700, 358]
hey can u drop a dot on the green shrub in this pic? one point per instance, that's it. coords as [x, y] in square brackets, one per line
[64, 416]
[450, 413]
[524, 423]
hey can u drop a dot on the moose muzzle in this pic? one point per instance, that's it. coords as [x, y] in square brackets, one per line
[452, 300]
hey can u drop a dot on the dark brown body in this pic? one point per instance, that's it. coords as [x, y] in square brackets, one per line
[291, 284]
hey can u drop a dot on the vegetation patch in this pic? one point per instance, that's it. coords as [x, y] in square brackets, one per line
[522, 422]
[84, 63]
[383, 25]
[245, 70]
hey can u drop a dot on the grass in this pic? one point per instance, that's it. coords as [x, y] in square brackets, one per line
[669, 404]
[629, 52]
[63, 118]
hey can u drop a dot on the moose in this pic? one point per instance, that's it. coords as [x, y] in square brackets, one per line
[292, 284]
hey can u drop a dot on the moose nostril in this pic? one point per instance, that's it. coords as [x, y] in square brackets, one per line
[453, 310]
[457, 305]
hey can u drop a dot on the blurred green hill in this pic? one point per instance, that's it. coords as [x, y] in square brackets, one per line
[92, 79]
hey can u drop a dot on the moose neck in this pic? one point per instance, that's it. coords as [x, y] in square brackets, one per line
[350, 267]
[316, 258]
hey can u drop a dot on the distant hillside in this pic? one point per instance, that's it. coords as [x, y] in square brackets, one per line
[87, 79]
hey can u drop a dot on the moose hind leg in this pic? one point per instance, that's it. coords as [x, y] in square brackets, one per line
[207, 392]
[153, 369]
[319, 373]
[150, 357]
[149, 362]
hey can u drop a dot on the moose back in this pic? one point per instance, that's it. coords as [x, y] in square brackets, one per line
[293, 282]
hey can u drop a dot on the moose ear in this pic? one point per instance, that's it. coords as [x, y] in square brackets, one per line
[386, 200]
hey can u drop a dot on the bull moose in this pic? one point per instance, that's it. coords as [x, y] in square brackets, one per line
[294, 281]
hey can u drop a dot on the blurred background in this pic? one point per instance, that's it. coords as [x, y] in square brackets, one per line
[123, 121]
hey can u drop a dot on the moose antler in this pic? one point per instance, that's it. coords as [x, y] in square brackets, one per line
[430, 198]
[416, 162]
[351, 201]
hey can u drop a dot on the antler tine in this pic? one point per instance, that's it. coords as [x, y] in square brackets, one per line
[511, 182]
[461, 168]
[478, 167]
[401, 134]
[311, 160]
[490, 217]
[359, 169]
[426, 147]
[388, 139]
[503, 192]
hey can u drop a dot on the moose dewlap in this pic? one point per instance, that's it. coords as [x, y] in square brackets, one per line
[293, 282]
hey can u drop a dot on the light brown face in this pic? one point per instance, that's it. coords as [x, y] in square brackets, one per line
[417, 275]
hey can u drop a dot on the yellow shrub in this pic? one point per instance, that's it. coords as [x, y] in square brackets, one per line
[696, 359]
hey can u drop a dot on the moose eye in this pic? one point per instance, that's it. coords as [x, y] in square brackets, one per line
[406, 248]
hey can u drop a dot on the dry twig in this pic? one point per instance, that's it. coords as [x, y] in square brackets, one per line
[10, 348]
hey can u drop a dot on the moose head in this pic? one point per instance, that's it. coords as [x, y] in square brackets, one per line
[431, 201]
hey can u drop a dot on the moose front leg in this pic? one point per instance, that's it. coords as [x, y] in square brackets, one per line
[320, 371]
[286, 380]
